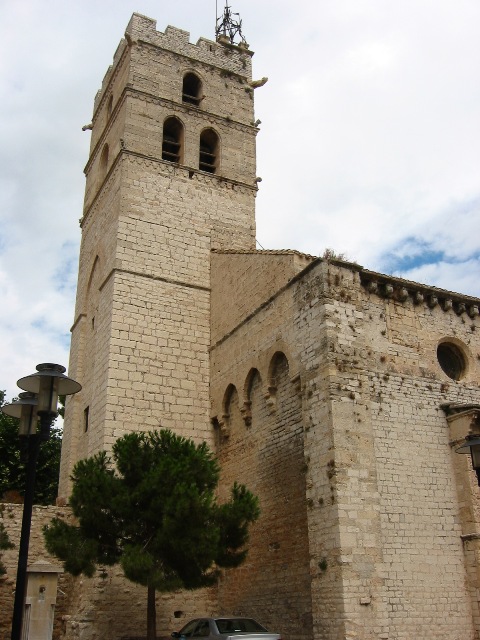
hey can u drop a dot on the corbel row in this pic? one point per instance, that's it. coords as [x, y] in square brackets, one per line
[401, 293]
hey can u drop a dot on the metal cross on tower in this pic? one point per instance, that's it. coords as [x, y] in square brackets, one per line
[228, 25]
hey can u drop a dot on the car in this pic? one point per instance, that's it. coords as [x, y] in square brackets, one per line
[222, 628]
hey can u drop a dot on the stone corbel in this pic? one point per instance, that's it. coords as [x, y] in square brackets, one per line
[223, 424]
[246, 412]
[271, 399]
[473, 311]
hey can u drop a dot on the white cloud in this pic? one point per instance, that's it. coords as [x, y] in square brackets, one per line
[369, 140]
[458, 277]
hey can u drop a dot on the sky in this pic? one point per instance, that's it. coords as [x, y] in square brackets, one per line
[369, 141]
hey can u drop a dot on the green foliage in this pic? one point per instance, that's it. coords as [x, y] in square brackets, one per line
[61, 405]
[156, 514]
[12, 461]
[331, 254]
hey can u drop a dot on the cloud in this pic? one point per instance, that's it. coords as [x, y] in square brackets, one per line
[369, 141]
[459, 276]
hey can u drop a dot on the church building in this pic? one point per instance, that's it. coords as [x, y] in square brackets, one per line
[336, 394]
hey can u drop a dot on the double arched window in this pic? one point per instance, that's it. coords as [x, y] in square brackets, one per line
[173, 145]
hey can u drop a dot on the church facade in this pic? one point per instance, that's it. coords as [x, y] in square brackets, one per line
[338, 395]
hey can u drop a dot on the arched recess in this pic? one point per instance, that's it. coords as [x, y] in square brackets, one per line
[224, 420]
[93, 271]
[209, 153]
[88, 355]
[252, 381]
[103, 166]
[94, 280]
[192, 89]
[92, 294]
[278, 360]
[173, 140]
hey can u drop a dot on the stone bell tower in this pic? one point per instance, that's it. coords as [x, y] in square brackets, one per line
[171, 176]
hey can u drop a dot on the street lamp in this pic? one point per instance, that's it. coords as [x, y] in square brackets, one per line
[472, 446]
[41, 399]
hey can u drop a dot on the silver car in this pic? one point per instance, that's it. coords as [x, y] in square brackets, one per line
[223, 628]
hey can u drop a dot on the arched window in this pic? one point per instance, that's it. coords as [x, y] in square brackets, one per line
[192, 89]
[172, 145]
[209, 151]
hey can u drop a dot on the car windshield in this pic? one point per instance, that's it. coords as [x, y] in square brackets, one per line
[238, 625]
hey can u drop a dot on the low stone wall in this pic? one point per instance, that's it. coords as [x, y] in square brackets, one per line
[11, 516]
[106, 606]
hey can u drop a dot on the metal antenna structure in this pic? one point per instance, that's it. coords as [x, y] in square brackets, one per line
[229, 25]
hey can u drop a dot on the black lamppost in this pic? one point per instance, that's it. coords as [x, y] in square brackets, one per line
[41, 402]
[472, 446]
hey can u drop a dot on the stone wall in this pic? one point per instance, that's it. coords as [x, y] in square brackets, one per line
[11, 516]
[242, 281]
[385, 548]
[264, 450]
[391, 475]
[105, 606]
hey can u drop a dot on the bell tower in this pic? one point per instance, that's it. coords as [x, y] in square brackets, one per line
[171, 176]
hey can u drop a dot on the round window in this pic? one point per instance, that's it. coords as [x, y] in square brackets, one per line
[452, 360]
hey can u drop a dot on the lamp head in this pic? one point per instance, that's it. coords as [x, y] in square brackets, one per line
[48, 383]
[25, 410]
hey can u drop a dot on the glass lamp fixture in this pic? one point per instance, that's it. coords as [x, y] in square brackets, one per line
[48, 383]
[24, 409]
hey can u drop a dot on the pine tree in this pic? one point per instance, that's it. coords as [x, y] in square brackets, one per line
[153, 511]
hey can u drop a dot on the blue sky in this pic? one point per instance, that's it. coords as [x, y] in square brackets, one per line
[382, 99]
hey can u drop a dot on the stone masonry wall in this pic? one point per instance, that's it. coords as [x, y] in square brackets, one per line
[321, 378]
[90, 343]
[256, 403]
[11, 516]
[265, 451]
[386, 557]
[247, 280]
[401, 553]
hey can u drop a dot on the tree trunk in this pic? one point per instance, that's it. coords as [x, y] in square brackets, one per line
[151, 614]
